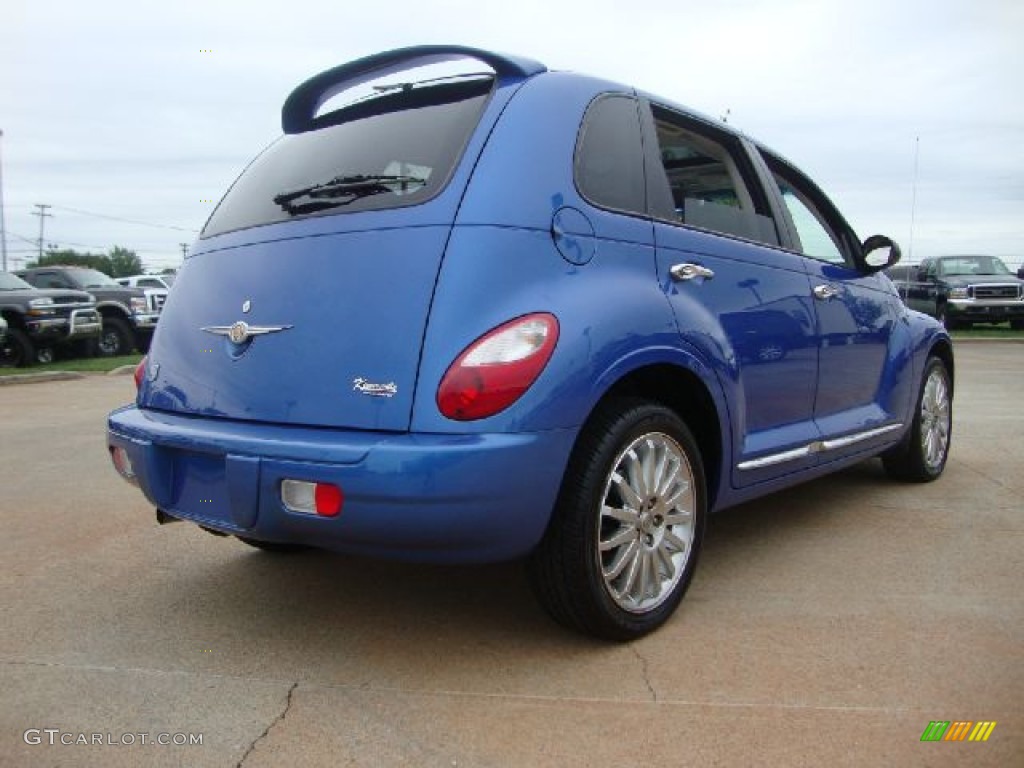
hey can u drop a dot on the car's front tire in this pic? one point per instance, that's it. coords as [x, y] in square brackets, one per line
[16, 350]
[622, 545]
[921, 457]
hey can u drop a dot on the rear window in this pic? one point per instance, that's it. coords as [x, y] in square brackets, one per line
[409, 141]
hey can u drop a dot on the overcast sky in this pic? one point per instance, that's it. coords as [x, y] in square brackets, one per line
[116, 109]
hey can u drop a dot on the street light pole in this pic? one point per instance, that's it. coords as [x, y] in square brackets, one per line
[3, 227]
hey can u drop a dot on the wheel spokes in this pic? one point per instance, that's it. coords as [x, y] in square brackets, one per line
[646, 523]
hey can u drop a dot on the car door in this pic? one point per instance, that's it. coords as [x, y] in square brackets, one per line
[857, 312]
[739, 299]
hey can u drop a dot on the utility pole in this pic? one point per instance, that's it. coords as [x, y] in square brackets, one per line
[42, 214]
[3, 228]
[184, 250]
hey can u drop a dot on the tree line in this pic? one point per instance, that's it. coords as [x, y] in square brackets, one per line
[118, 262]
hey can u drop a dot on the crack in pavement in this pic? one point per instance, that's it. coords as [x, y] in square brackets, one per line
[275, 721]
[643, 672]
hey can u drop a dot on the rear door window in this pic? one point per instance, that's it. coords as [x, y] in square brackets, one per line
[413, 136]
[709, 180]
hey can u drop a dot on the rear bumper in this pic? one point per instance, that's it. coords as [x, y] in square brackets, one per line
[428, 497]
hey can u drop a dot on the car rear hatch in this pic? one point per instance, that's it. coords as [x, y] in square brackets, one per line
[306, 299]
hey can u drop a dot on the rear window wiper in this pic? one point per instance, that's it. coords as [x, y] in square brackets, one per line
[329, 194]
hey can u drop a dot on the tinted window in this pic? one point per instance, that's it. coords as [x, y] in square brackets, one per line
[418, 133]
[609, 155]
[9, 282]
[706, 180]
[972, 265]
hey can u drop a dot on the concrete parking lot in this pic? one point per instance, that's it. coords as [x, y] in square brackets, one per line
[827, 625]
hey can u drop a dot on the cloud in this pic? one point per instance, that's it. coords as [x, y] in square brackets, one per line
[145, 110]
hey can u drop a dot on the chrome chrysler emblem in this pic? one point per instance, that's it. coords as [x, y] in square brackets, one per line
[240, 332]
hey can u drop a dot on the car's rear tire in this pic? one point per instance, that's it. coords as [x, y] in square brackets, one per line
[16, 350]
[115, 338]
[622, 544]
[277, 547]
[921, 457]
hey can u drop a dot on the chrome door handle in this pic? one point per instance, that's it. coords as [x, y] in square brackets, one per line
[824, 292]
[682, 272]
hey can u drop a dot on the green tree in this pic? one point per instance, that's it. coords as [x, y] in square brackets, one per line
[123, 262]
[120, 262]
[69, 257]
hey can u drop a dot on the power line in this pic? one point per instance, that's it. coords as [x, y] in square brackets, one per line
[32, 240]
[127, 221]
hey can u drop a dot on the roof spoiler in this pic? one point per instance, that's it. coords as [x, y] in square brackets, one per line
[301, 106]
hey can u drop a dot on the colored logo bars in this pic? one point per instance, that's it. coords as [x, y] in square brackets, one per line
[958, 730]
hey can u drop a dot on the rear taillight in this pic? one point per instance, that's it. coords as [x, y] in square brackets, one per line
[123, 464]
[496, 369]
[323, 499]
[140, 371]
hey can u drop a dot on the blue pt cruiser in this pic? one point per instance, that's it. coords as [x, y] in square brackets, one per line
[467, 309]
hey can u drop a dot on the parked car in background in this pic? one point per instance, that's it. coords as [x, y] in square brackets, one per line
[962, 290]
[129, 314]
[37, 321]
[148, 281]
[551, 317]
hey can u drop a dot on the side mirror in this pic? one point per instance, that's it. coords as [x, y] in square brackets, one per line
[878, 252]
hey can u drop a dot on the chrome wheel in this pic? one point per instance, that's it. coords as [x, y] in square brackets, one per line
[935, 419]
[623, 542]
[646, 522]
[921, 456]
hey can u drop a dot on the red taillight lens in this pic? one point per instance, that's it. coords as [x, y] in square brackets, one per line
[496, 369]
[328, 499]
[140, 371]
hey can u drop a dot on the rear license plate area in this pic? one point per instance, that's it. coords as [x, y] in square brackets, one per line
[200, 491]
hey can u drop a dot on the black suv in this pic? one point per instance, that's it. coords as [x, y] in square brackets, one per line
[961, 290]
[129, 314]
[39, 320]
